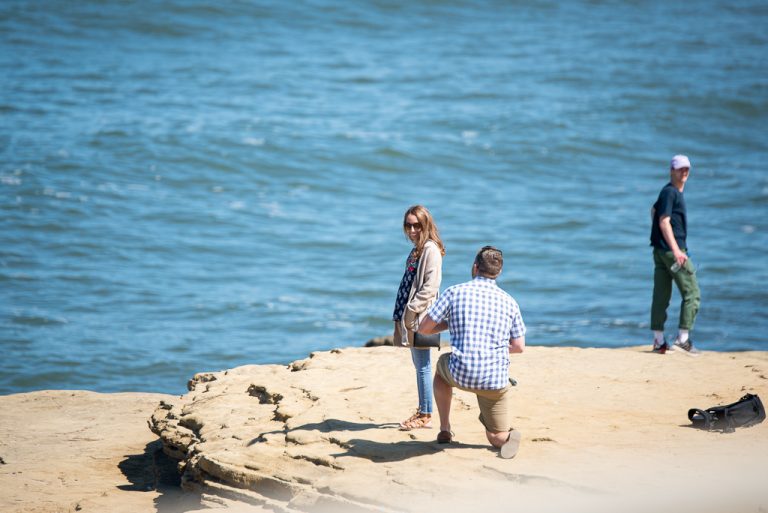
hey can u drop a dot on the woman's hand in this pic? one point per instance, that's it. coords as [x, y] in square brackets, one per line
[411, 319]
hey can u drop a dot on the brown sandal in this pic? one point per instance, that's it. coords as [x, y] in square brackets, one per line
[417, 421]
[444, 437]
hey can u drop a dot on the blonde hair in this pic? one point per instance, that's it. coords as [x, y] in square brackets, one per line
[428, 231]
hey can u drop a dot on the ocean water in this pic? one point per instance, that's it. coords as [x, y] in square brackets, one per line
[193, 185]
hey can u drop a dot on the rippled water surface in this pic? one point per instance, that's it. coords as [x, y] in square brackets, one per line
[190, 186]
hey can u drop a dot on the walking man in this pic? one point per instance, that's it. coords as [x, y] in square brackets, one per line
[669, 230]
[485, 326]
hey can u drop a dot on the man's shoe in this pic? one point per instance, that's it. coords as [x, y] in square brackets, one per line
[662, 348]
[687, 347]
[511, 446]
[444, 437]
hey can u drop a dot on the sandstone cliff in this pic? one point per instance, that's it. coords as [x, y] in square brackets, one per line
[602, 428]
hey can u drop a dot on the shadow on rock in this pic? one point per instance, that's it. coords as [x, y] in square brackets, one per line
[154, 471]
[386, 452]
[328, 426]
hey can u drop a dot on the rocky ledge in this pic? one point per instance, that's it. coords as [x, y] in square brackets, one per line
[601, 428]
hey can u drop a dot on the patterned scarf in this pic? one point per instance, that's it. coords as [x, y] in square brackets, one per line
[405, 285]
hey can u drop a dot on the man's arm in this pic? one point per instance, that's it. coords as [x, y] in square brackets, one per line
[430, 327]
[665, 225]
[516, 345]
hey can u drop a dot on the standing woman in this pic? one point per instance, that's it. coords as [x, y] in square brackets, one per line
[418, 290]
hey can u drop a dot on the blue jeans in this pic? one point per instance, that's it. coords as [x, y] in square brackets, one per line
[422, 362]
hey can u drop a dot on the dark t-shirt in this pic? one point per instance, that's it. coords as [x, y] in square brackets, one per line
[670, 203]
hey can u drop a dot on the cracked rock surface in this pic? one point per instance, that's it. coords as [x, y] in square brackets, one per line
[600, 428]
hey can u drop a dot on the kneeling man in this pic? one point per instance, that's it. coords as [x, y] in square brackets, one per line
[485, 326]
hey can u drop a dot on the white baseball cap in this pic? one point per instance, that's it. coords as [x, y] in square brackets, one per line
[680, 161]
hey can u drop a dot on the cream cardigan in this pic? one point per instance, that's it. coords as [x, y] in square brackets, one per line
[424, 291]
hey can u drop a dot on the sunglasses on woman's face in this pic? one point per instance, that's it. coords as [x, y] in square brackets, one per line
[415, 226]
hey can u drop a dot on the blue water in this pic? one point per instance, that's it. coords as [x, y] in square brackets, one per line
[189, 186]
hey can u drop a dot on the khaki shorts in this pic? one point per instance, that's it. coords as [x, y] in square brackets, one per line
[494, 404]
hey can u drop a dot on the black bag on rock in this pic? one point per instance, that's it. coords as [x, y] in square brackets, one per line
[745, 412]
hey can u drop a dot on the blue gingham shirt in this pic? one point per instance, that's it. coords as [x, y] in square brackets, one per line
[482, 319]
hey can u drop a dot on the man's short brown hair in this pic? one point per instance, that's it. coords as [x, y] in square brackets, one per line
[489, 261]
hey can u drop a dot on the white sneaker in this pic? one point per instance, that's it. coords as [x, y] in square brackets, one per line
[511, 446]
[687, 347]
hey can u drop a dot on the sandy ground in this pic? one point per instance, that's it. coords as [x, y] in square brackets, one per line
[603, 430]
[68, 451]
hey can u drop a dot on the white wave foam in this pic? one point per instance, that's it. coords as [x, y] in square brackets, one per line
[10, 180]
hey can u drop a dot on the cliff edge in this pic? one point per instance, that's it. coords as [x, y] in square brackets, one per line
[602, 428]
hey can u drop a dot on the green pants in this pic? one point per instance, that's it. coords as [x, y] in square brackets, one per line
[685, 279]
